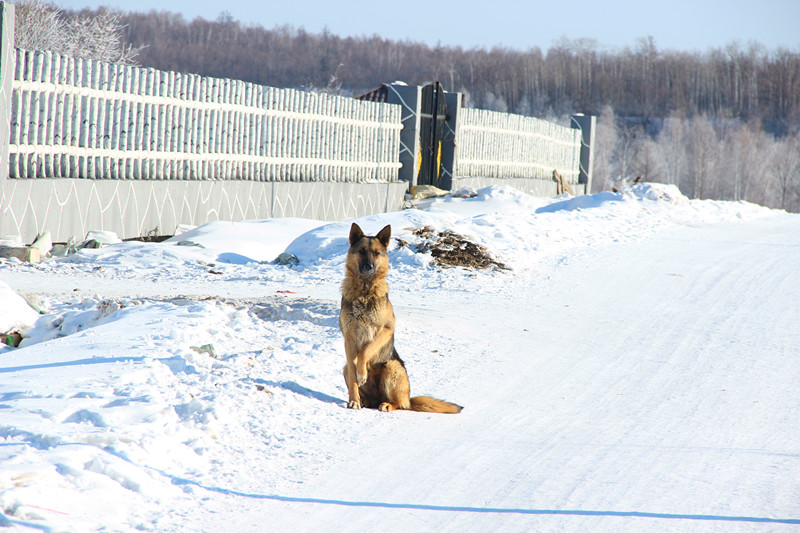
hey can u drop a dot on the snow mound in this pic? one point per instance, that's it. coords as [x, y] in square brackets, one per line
[78, 315]
[16, 314]
[249, 241]
[657, 192]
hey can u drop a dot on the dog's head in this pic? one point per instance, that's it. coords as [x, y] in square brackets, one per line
[367, 255]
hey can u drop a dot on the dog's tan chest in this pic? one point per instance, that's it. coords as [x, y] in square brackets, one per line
[362, 319]
[363, 311]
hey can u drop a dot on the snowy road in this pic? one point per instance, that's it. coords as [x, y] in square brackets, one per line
[642, 387]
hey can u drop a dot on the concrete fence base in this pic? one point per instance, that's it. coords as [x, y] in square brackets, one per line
[72, 207]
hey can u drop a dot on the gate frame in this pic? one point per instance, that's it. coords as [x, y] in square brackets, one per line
[433, 108]
[409, 97]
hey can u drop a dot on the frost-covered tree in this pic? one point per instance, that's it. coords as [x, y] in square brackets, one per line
[786, 169]
[703, 158]
[605, 139]
[672, 141]
[747, 160]
[628, 145]
[647, 162]
[40, 25]
[494, 102]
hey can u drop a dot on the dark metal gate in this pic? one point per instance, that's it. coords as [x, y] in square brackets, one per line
[433, 113]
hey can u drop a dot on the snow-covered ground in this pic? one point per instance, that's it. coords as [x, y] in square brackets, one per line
[636, 369]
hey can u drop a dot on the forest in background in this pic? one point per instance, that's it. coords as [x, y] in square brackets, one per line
[723, 123]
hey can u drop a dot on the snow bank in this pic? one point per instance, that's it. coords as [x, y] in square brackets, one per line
[521, 230]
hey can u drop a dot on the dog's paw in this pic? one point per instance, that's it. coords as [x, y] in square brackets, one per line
[353, 404]
[386, 407]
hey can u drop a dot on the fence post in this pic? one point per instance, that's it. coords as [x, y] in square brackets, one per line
[585, 123]
[409, 98]
[453, 102]
[7, 57]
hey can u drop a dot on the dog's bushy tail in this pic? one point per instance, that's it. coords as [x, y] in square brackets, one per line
[426, 404]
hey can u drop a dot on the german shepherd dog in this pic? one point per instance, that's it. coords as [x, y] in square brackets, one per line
[375, 375]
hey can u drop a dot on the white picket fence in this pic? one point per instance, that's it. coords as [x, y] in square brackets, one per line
[78, 118]
[501, 145]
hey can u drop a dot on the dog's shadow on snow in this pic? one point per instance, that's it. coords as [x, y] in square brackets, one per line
[296, 388]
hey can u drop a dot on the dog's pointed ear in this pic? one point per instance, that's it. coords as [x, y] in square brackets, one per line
[384, 235]
[355, 234]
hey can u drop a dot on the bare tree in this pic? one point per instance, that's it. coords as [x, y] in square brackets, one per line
[37, 26]
[672, 142]
[747, 155]
[99, 37]
[40, 25]
[703, 152]
[647, 162]
[606, 139]
[629, 144]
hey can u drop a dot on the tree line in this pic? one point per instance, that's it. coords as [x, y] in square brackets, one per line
[746, 82]
[706, 157]
[722, 123]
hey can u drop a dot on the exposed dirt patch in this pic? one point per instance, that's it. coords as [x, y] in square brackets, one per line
[453, 250]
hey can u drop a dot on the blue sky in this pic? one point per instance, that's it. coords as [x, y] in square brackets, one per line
[692, 25]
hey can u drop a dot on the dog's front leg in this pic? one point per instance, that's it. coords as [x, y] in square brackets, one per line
[360, 367]
[353, 396]
[370, 351]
